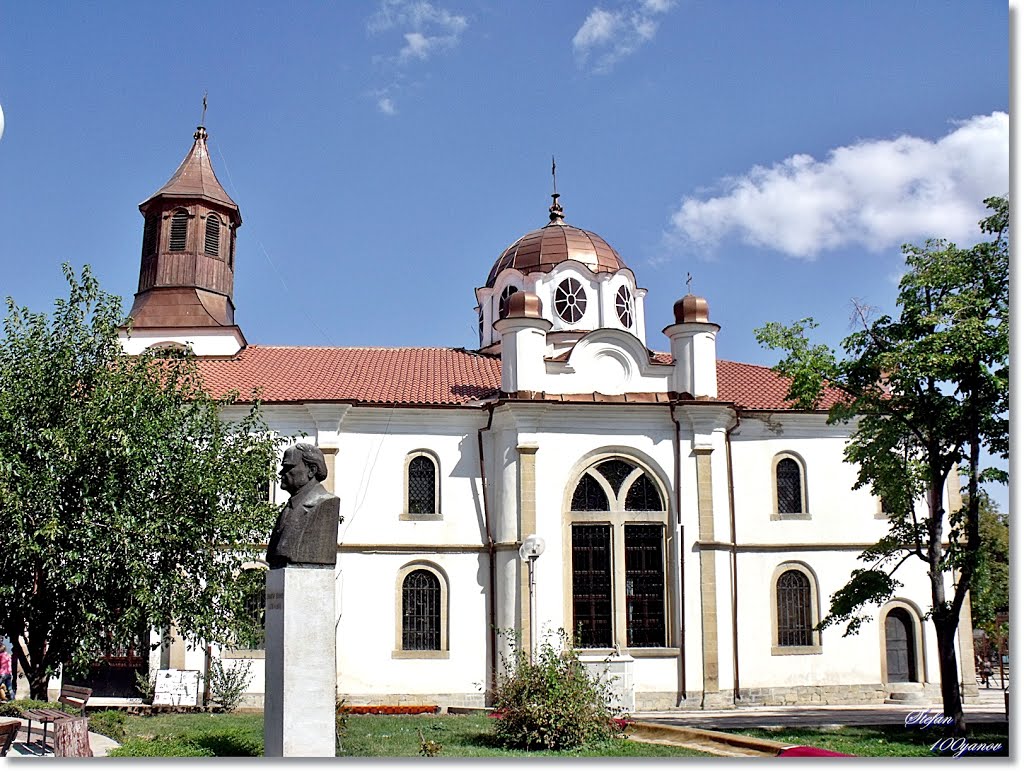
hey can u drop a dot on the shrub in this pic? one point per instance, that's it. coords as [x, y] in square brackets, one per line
[227, 685]
[109, 723]
[160, 747]
[15, 708]
[146, 685]
[553, 703]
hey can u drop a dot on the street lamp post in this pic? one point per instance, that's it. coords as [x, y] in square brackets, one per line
[531, 549]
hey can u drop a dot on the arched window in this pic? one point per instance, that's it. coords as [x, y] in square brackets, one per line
[789, 487]
[795, 611]
[421, 612]
[212, 242]
[149, 234]
[624, 306]
[422, 624]
[422, 487]
[179, 231]
[617, 523]
[506, 293]
[570, 300]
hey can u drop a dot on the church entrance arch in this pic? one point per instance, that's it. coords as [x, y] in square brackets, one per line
[900, 648]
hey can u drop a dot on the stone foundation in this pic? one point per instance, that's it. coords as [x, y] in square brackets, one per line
[844, 694]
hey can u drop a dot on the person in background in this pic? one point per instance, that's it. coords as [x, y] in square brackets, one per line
[5, 672]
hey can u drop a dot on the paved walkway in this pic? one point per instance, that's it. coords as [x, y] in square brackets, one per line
[989, 708]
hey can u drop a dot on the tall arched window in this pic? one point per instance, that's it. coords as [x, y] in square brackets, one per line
[421, 612]
[617, 536]
[211, 245]
[789, 487]
[422, 620]
[795, 610]
[179, 231]
[422, 486]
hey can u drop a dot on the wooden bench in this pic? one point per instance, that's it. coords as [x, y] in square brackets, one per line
[8, 732]
[72, 696]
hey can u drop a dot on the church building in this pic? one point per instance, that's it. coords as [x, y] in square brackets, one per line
[694, 526]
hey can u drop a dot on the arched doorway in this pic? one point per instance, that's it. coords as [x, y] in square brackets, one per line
[900, 653]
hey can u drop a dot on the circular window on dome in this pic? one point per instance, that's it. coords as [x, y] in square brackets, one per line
[624, 306]
[570, 300]
[508, 292]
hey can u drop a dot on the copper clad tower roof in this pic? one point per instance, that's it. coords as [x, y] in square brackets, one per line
[194, 178]
[187, 275]
[541, 250]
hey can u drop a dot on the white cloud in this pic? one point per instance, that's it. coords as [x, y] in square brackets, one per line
[875, 194]
[387, 106]
[606, 37]
[426, 28]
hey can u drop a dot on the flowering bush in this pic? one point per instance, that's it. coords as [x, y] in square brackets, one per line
[553, 702]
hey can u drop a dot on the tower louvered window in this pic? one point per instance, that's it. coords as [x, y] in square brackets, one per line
[179, 231]
[421, 612]
[793, 598]
[789, 486]
[149, 234]
[212, 245]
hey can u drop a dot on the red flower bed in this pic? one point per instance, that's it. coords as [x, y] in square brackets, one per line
[390, 710]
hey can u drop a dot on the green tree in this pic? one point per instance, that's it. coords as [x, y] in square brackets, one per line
[125, 500]
[990, 585]
[927, 392]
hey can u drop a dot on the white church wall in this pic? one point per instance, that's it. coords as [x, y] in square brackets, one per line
[371, 666]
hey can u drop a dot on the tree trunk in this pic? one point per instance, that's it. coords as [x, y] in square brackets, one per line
[952, 705]
[71, 737]
[38, 685]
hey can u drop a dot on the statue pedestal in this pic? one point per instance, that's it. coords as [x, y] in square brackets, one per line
[301, 669]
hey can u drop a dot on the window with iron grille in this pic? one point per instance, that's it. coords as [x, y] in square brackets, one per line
[149, 234]
[421, 611]
[645, 585]
[592, 586]
[789, 486]
[179, 231]
[212, 242]
[589, 496]
[793, 607]
[643, 496]
[506, 293]
[422, 484]
[619, 587]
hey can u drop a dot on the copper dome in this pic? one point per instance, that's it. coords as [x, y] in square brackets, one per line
[541, 250]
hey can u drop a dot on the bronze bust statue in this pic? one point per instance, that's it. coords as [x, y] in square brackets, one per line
[306, 533]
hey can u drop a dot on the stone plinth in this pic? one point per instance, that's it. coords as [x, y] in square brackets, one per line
[301, 670]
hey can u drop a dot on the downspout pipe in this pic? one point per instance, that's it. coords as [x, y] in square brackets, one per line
[676, 475]
[732, 555]
[492, 613]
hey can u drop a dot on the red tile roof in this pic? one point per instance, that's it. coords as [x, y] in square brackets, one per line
[423, 376]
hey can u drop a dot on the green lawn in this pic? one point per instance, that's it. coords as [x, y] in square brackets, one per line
[241, 734]
[886, 741]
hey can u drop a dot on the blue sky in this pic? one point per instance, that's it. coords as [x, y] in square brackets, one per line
[383, 154]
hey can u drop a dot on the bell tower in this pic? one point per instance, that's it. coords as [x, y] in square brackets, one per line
[187, 276]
